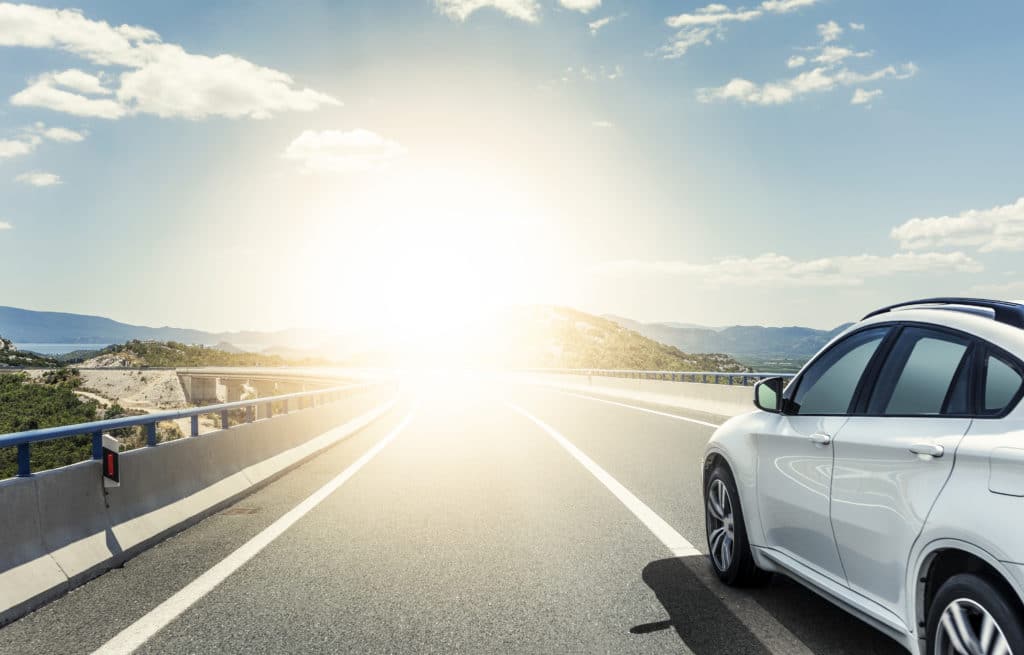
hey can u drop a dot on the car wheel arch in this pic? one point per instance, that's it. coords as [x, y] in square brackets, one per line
[942, 559]
[745, 486]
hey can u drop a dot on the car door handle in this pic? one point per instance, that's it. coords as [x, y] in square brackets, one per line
[821, 438]
[935, 450]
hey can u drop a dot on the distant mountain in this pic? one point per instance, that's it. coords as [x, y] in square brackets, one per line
[738, 340]
[539, 336]
[28, 326]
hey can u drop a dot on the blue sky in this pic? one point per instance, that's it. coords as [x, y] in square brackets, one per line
[259, 165]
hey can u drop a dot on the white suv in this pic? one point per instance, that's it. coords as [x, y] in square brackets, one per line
[888, 476]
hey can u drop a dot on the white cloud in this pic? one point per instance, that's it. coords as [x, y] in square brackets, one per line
[698, 27]
[594, 74]
[829, 31]
[713, 14]
[595, 26]
[161, 79]
[16, 147]
[335, 151]
[527, 10]
[44, 92]
[822, 78]
[857, 27]
[178, 83]
[796, 61]
[834, 54]
[1000, 228]
[862, 97]
[581, 5]
[32, 136]
[686, 39]
[774, 270]
[604, 124]
[4, 225]
[59, 134]
[39, 179]
[786, 6]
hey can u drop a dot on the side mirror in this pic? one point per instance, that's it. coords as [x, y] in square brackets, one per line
[768, 395]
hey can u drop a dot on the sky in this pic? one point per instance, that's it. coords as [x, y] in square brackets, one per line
[263, 165]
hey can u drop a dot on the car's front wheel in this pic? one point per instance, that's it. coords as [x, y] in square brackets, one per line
[971, 615]
[728, 548]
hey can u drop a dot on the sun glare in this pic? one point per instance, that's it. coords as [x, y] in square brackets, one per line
[432, 259]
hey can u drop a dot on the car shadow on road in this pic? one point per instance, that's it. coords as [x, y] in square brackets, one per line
[707, 626]
[700, 619]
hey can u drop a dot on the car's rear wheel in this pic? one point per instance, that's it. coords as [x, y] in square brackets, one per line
[728, 548]
[972, 615]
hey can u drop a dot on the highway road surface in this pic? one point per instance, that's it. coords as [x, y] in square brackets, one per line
[473, 518]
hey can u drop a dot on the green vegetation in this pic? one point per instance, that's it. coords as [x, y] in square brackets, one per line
[173, 354]
[68, 377]
[26, 405]
[586, 341]
[50, 402]
[10, 357]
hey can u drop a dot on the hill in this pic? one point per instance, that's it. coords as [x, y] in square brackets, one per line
[746, 342]
[173, 354]
[29, 326]
[12, 357]
[536, 336]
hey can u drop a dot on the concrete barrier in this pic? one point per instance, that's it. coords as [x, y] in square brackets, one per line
[721, 399]
[28, 570]
[59, 529]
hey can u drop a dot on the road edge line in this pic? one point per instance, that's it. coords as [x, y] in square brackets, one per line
[142, 630]
[747, 610]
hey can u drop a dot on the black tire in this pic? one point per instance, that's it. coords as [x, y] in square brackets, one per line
[740, 569]
[969, 592]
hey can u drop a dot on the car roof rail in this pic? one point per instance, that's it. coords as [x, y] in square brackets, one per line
[1010, 313]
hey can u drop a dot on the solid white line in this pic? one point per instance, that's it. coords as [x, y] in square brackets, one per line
[766, 628]
[642, 409]
[674, 541]
[138, 633]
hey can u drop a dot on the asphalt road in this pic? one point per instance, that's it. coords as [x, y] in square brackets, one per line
[461, 524]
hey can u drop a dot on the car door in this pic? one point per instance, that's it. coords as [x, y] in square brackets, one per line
[794, 469]
[893, 458]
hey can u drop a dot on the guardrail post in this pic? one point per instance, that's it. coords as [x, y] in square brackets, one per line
[248, 414]
[97, 445]
[151, 434]
[195, 425]
[224, 422]
[24, 461]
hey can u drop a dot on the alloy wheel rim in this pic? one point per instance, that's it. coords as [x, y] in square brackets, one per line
[721, 527]
[967, 628]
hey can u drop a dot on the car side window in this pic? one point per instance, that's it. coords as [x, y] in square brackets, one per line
[1002, 382]
[922, 376]
[828, 385]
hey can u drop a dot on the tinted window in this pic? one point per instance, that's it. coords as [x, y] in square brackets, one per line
[921, 378]
[1002, 382]
[827, 387]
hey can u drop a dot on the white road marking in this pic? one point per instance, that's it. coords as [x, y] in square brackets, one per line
[765, 627]
[674, 541]
[138, 633]
[642, 409]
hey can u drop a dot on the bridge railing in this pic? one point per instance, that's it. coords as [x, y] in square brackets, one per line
[24, 440]
[706, 377]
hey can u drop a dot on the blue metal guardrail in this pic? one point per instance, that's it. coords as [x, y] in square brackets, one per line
[23, 440]
[711, 377]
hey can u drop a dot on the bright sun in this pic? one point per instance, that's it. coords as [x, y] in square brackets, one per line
[432, 258]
